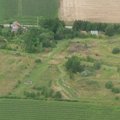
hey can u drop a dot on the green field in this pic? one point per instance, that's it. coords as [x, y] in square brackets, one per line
[42, 110]
[27, 11]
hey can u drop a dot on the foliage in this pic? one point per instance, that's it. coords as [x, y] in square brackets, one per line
[38, 61]
[110, 30]
[6, 32]
[97, 65]
[73, 64]
[3, 42]
[37, 38]
[109, 85]
[54, 25]
[115, 90]
[30, 94]
[116, 50]
[57, 95]
[87, 26]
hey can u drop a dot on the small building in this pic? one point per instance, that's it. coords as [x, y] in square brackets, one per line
[15, 26]
[94, 32]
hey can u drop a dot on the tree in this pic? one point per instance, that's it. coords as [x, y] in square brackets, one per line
[37, 38]
[73, 64]
[54, 25]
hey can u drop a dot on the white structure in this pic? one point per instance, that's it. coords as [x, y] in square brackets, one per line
[94, 32]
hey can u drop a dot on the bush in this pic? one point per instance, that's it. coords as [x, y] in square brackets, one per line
[109, 85]
[97, 65]
[116, 50]
[115, 90]
[6, 32]
[58, 95]
[73, 64]
[30, 94]
[38, 61]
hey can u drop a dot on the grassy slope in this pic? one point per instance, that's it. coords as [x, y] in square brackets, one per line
[41, 110]
[27, 12]
[13, 68]
[52, 70]
[92, 89]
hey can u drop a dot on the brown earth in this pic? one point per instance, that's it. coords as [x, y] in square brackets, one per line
[90, 10]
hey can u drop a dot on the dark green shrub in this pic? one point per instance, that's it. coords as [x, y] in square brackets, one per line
[6, 32]
[30, 94]
[116, 50]
[68, 33]
[97, 65]
[115, 90]
[73, 64]
[38, 61]
[58, 95]
[109, 85]
[110, 30]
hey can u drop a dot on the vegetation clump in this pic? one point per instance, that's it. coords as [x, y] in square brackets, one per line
[97, 65]
[3, 42]
[107, 28]
[116, 50]
[109, 85]
[74, 65]
[115, 90]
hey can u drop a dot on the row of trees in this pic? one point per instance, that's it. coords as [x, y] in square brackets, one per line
[109, 29]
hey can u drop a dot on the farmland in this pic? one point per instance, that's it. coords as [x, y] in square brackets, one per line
[27, 14]
[90, 10]
[42, 110]
[31, 83]
[50, 72]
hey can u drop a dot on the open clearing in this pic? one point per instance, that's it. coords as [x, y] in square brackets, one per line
[90, 10]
